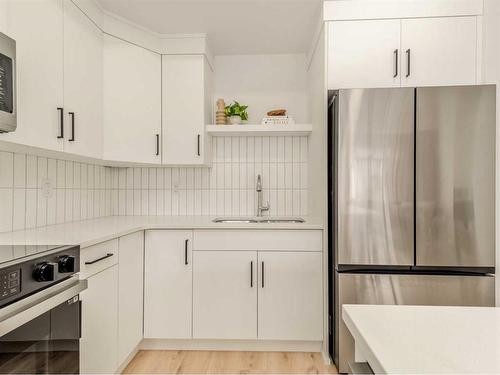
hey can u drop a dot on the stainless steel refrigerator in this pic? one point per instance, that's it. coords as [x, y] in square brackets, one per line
[412, 200]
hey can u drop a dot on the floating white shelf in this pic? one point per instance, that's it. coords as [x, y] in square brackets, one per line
[263, 130]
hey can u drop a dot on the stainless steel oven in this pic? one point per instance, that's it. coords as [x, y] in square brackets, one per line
[8, 108]
[40, 314]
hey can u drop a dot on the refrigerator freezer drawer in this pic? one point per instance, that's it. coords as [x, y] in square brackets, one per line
[455, 176]
[384, 289]
[375, 176]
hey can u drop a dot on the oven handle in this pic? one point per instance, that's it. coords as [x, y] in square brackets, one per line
[27, 309]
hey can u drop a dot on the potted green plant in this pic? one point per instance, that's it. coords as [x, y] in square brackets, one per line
[236, 113]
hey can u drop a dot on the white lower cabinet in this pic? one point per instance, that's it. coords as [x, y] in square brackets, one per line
[168, 284]
[130, 294]
[99, 342]
[290, 296]
[206, 284]
[225, 295]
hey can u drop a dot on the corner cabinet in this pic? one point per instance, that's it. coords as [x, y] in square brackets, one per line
[436, 51]
[132, 106]
[186, 109]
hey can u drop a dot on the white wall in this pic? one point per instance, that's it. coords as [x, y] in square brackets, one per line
[264, 82]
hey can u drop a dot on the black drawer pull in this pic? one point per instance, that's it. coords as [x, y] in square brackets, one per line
[108, 255]
[186, 252]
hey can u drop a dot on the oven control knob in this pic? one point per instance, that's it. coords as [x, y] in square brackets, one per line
[66, 264]
[44, 272]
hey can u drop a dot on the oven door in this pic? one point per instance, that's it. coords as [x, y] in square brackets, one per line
[43, 338]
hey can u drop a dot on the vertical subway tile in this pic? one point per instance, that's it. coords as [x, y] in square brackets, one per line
[60, 206]
[19, 170]
[69, 175]
[144, 178]
[6, 170]
[7, 204]
[31, 171]
[51, 208]
[144, 202]
[61, 174]
[52, 171]
[137, 178]
[129, 178]
[152, 178]
[19, 209]
[84, 173]
[304, 150]
[77, 177]
[197, 210]
[42, 170]
[189, 178]
[160, 178]
[288, 149]
[31, 206]
[296, 149]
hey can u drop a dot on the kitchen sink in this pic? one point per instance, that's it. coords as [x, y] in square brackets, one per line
[258, 220]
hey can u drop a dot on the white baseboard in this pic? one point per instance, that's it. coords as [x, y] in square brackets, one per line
[128, 359]
[233, 345]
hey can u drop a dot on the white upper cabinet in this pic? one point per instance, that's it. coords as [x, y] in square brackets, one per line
[186, 91]
[37, 27]
[364, 54]
[82, 83]
[403, 52]
[439, 51]
[132, 103]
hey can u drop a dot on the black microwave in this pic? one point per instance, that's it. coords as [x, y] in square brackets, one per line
[8, 110]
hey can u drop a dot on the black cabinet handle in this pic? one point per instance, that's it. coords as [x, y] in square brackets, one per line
[72, 114]
[262, 274]
[186, 252]
[157, 144]
[61, 122]
[396, 63]
[108, 255]
[408, 54]
[251, 274]
[199, 145]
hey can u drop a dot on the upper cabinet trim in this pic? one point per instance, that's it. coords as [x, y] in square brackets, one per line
[340, 10]
[163, 44]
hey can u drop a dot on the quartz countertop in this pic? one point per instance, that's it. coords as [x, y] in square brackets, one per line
[89, 232]
[426, 339]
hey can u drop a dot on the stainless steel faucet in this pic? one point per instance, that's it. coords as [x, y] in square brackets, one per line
[260, 207]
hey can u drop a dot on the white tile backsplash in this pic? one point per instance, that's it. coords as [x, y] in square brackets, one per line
[227, 188]
[80, 191]
[38, 191]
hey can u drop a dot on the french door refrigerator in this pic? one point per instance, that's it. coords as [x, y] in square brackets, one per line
[412, 200]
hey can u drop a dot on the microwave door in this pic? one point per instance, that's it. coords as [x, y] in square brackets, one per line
[455, 177]
[375, 177]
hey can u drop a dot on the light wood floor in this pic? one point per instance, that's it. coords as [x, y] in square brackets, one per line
[215, 362]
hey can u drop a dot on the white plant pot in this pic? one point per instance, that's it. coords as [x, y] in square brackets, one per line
[235, 120]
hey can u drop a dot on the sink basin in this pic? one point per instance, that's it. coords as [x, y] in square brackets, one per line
[235, 220]
[283, 220]
[258, 220]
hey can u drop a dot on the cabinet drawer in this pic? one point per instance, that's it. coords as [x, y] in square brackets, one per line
[98, 257]
[268, 240]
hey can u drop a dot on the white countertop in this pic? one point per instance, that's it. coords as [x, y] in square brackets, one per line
[426, 339]
[89, 232]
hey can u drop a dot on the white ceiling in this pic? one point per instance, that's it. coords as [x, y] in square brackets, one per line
[232, 26]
